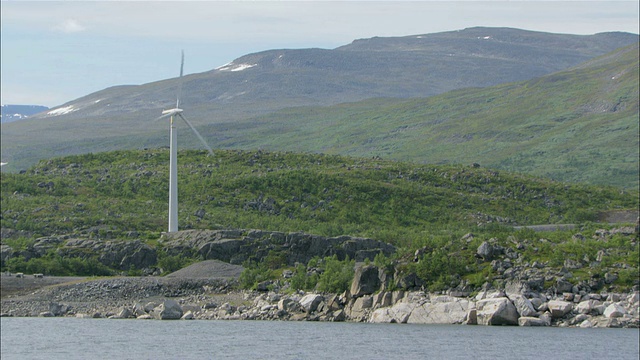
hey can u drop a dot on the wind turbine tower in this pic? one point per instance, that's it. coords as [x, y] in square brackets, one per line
[173, 114]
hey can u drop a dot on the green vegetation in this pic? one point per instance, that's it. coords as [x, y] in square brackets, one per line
[123, 195]
[405, 204]
[55, 265]
[327, 275]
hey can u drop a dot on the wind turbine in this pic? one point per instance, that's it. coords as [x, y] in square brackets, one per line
[173, 114]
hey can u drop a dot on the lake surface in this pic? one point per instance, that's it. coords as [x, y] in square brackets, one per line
[70, 338]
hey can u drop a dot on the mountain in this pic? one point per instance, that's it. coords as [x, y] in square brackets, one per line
[9, 113]
[233, 103]
[411, 66]
[578, 125]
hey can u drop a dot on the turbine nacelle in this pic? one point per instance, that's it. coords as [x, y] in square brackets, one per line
[171, 112]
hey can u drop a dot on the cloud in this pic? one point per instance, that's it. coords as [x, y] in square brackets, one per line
[70, 26]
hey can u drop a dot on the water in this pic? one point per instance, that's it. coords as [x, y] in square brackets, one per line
[69, 338]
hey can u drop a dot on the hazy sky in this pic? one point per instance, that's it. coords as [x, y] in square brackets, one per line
[54, 52]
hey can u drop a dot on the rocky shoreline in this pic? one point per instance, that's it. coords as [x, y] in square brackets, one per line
[216, 299]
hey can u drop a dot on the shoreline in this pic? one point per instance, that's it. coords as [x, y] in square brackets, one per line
[215, 299]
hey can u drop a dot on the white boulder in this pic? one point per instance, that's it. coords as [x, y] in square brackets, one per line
[168, 310]
[614, 310]
[559, 308]
[454, 311]
[496, 311]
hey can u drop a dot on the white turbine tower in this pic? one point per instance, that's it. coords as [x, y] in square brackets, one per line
[173, 149]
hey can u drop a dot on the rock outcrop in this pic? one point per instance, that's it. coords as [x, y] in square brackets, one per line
[237, 246]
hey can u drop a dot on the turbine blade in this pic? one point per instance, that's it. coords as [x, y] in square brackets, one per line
[180, 81]
[162, 117]
[197, 134]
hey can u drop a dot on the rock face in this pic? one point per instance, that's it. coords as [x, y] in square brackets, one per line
[366, 281]
[231, 246]
[122, 255]
[236, 246]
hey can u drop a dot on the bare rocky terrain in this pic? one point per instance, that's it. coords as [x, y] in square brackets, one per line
[204, 291]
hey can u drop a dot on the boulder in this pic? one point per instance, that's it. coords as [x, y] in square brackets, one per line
[497, 311]
[585, 307]
[614, 310]
[409, 281]
[168, 310]
[398, 313]
[310, 302]
[125, 313]
[523, 305]
[365, 281]
[188, 316]
[362, 303]
[486, 251]
[563, 286]
[559, 308]
[441, 312]
[58, 309]
[288, 305]
[138, 309]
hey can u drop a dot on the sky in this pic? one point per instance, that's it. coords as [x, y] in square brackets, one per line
[53, 52]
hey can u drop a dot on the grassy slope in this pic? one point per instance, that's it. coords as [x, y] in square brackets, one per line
[580, 125]
[328, 195]
[123, 195]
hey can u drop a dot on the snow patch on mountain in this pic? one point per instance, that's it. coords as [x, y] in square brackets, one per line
[235, 67]
[62, 110]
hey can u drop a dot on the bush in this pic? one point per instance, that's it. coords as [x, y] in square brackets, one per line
[253, 274]
[171, 263]
[337, 275]
[54, 265]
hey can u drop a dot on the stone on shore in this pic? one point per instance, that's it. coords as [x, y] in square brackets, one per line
[310, 302]
[188, 316]
[614, 311]
[445, 311]
[559, 308]
[497, 311]
[523, 305]
[125, 313]
[168, 310]
[397, 314]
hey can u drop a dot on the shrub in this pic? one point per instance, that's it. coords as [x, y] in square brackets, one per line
[337, 275]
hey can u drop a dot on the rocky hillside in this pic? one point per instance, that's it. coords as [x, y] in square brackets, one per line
[431, 227]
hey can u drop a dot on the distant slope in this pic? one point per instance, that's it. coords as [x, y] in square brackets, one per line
[579, 125]
[232, 96]
[9, 113]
